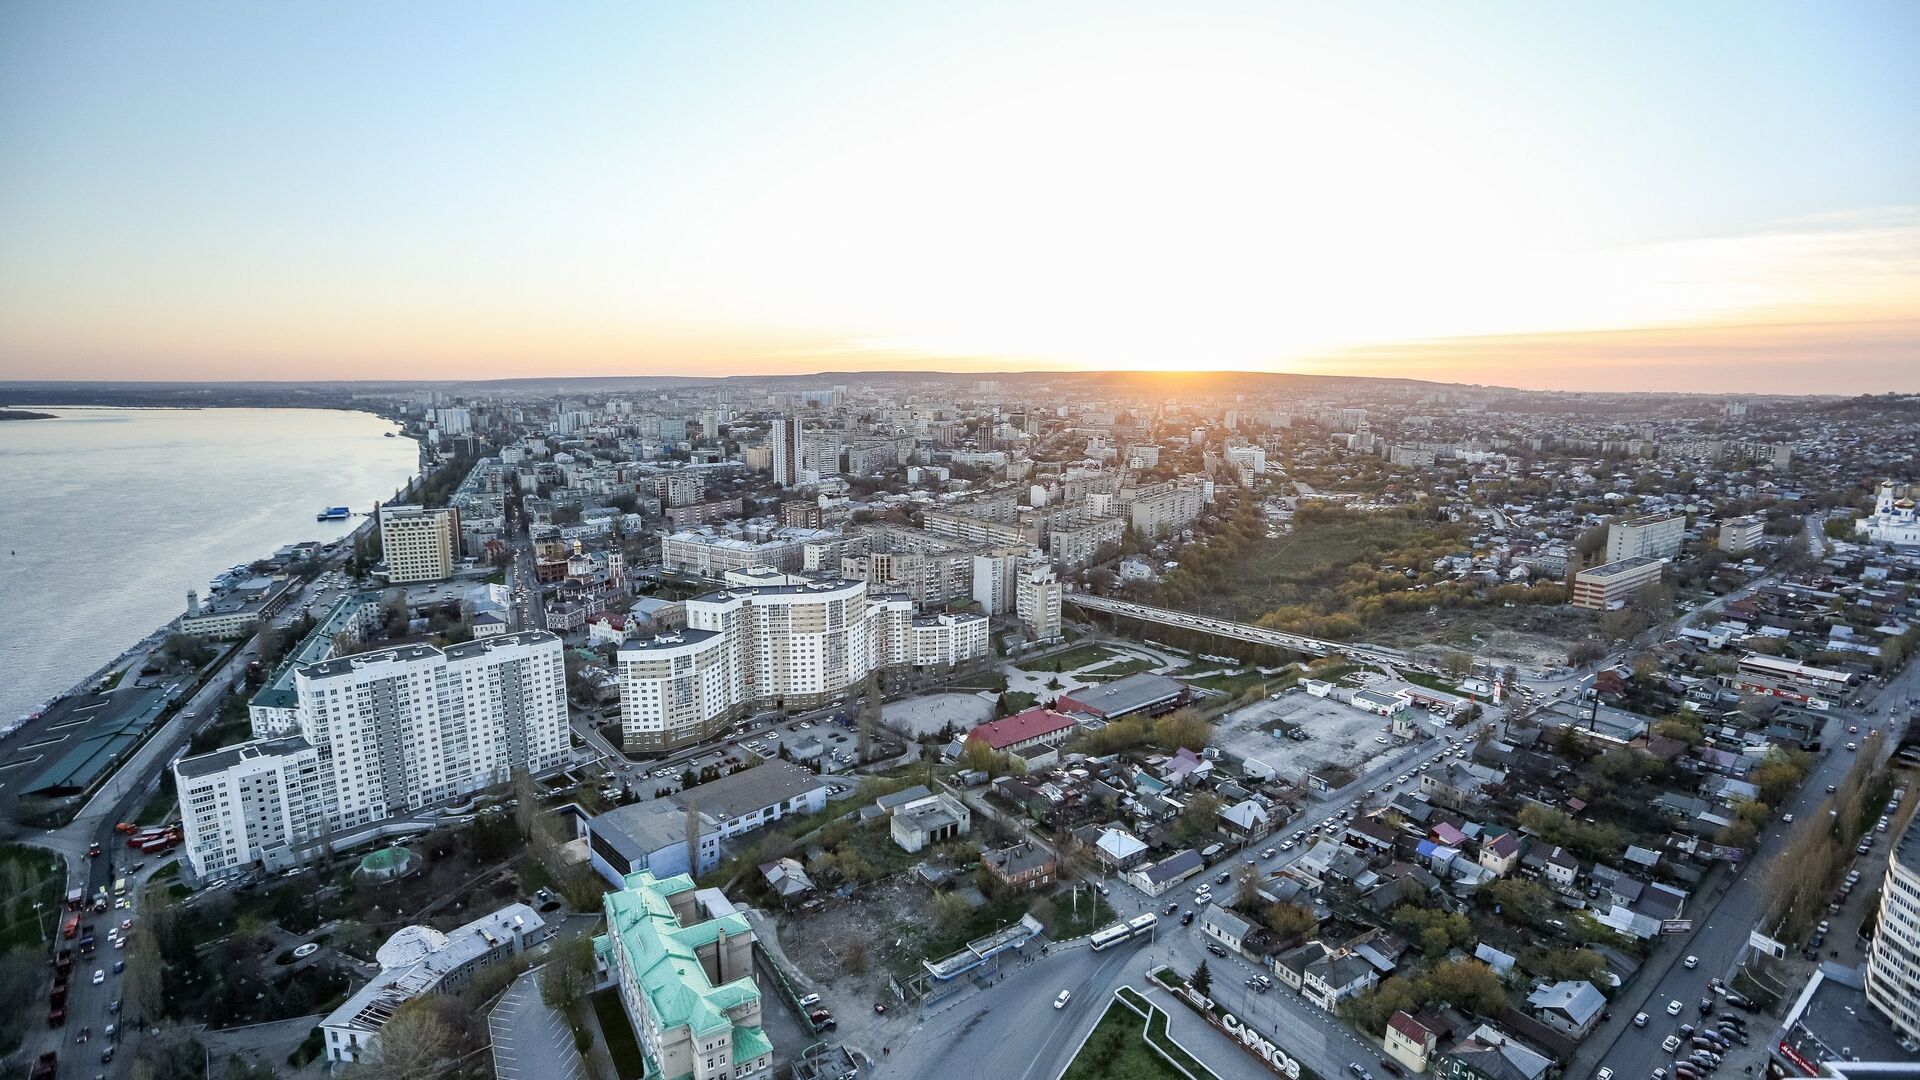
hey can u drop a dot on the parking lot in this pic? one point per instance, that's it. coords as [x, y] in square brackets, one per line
[530, 1040]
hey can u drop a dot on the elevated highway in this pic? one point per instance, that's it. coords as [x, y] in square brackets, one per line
[1255, 635]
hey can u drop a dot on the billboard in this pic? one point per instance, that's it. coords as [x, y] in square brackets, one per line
[1676, 926]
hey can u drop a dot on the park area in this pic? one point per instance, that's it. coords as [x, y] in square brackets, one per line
[1130, 1043]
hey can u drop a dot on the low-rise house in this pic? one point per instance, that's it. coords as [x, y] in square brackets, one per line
[1410, 1042]
[1501, 854]
[1490, 1054]
[1572, 1006]
[1157, 877]
[1225, 927]
[788, 880]
[1021, 866]
[1336, 977]
[1246, 819]
[1119, 849]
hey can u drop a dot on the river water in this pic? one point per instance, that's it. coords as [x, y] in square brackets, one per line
[109, 516]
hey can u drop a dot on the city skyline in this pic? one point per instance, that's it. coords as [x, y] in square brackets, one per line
[1714, 199]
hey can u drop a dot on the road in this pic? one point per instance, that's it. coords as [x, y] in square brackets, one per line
[1720, 935]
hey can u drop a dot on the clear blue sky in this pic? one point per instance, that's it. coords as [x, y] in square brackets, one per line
[348, 190]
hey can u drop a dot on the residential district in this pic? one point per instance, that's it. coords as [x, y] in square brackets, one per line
[1021, 727]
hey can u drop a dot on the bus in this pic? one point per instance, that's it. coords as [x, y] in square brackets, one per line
[1138, 926]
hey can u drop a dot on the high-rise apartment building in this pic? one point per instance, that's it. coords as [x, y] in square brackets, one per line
[1038, 604]
[419, 543]
[1655, 536]
[1893, 961]
[996, 575]
[784, 439]
[791, 644]
[381, 734]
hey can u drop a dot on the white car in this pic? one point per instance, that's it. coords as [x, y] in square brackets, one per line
[1673, 1008]
[99, 976]
[1692, 962]
[1058, 1003]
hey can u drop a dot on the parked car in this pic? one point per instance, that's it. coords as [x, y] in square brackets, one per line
[1640, 1020]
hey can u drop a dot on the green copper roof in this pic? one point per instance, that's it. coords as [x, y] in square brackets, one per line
[662, 956]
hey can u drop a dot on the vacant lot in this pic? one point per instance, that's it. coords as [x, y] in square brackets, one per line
[1341, 734]
[931, 713]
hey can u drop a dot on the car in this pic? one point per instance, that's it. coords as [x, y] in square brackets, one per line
[1061, 1001]
[1671, 1044]
[83, 1035]
[119, 966]
[1831, 789]
[115, 1007]
[1851, 746]
[1225, 876]
[1853, 729]
[1692, 962]
[1354, 1068]
[1269, 853]
[1170, 909]
[1381, 739]
[1186, 918]
[109, 1031]
[106, 1055]
[1640, 1020]
[99, 976]
[810, 1001]
[1674, 1007]
[1603, 1074]
[1216, 949]
[1787, 818]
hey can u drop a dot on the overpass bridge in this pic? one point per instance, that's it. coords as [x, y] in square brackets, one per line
[1254, 635]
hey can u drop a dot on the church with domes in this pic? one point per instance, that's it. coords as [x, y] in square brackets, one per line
[1894, 519]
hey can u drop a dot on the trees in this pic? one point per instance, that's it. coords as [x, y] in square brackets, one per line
[1182, 729]
[1466, 984]
[950, 910]
[1527, 900]
[1198, 818]
[186, 650]
[1202, 978]
[1582, 653]
[568, 974]
[1290, 921]
[1456, 665]
[415, 1040]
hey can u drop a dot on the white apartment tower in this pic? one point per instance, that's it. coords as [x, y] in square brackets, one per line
[1038, 604]
[790, 644]
[1893, 961]
[381, 734]
[419, 543]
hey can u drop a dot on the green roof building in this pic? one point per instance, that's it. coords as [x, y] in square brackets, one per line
[683, 959]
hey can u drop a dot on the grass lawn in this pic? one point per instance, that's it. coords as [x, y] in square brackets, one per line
[1117, 1050]
[29, 876]
[618, 1031]
[1126, 666]
[1078, 657]
[159, 806]
[1431, 682]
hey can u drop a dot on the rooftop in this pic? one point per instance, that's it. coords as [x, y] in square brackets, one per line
[1127, 694]
[1018, 728]
[766, 784]
[217, 761]
[1618, 568]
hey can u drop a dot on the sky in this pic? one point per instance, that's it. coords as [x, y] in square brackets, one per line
[1640, 196]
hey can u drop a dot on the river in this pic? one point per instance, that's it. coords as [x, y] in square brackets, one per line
[109, 516]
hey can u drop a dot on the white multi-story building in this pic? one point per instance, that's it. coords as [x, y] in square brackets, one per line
[1167, 511]
[787, 644]
[996, 574]
[1039, 602]
[419, 543]
[712, 552]
[946, 639]
[255, 802]
[381, 733]
[1656, 536]
[1251, 458]
[1893, 961]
